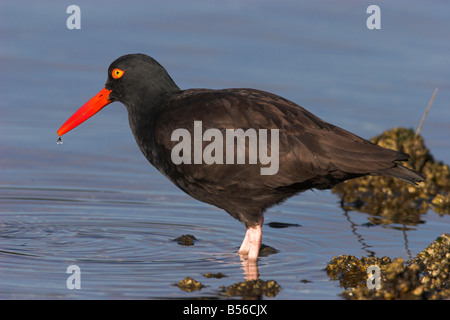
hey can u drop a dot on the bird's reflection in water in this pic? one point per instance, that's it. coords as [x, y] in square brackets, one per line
[253, 288]
[250, 267]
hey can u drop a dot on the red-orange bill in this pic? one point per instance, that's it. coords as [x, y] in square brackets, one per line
[94, 105]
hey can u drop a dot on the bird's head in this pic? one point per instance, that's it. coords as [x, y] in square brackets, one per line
[136, 80]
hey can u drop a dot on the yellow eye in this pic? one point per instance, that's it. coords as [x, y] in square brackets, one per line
[117, 73]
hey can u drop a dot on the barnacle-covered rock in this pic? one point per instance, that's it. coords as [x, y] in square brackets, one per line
[434, 262]
[351, 271]
[253, 289]
[188, 284]
[425, 277]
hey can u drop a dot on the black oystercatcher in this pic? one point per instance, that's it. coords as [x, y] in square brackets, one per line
[215, 144]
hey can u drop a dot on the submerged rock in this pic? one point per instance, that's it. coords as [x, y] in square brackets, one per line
[185, 240]
[425, 277]
[219, 275]
[394, 199]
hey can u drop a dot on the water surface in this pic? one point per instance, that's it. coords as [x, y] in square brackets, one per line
[95, 201]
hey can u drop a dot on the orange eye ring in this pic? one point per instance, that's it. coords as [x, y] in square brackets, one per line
[117, 73]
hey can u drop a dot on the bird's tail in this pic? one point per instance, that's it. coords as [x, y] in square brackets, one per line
[403, 173]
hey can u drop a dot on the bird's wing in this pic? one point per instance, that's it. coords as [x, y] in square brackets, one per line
[308, 146]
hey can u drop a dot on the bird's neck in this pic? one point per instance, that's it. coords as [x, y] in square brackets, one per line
[143, 115]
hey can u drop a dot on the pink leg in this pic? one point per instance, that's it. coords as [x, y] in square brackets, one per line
[244, 245]
[252, 241]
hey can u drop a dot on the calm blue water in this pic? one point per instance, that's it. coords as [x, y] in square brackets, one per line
[95, 201]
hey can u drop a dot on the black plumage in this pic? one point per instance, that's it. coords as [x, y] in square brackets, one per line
[312, 153]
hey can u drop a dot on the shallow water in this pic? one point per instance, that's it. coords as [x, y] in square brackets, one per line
[95, 202]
